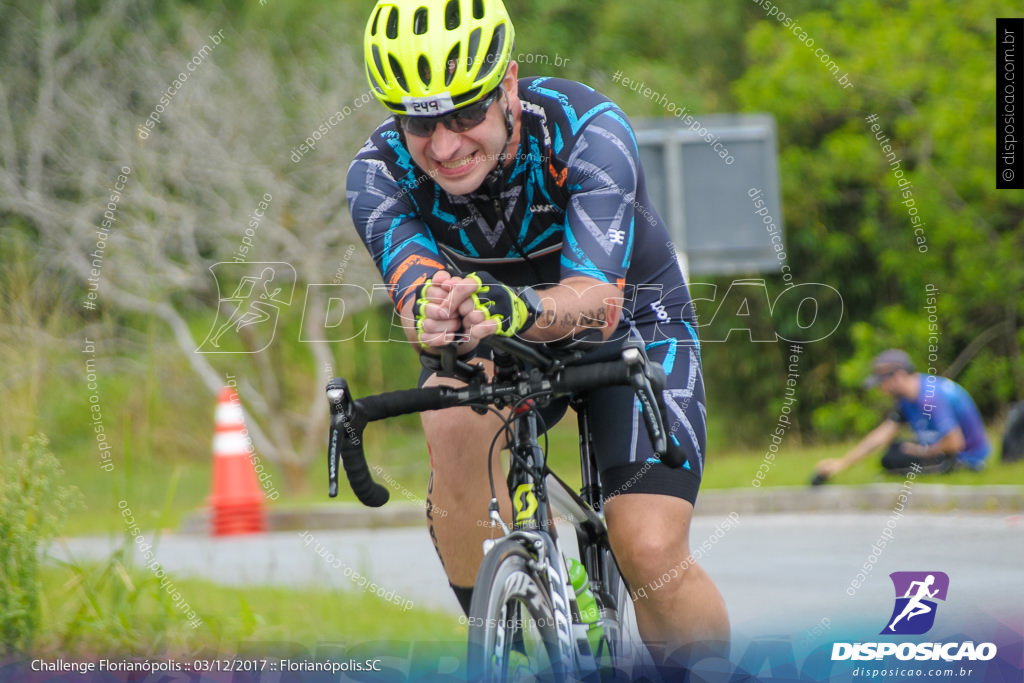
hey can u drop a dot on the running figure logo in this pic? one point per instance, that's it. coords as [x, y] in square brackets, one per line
[916, 593]
[253, 305]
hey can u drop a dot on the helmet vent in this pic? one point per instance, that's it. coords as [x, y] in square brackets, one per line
[452, 15]
[478, 9]
[391, 31]
[377, 61]
[419, 21]
[468, 96]
[424, 68]
[474, 47]
[396, 69]
[373, 28]
[374, 82]
[451, 65]
[494, 51]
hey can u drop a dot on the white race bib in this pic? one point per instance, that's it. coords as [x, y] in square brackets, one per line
[433, 105]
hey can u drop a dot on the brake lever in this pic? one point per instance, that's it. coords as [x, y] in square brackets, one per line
[647, 384]
[336, 397]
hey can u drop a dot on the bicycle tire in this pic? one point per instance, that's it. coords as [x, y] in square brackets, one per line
[511, 601]
[627, 650]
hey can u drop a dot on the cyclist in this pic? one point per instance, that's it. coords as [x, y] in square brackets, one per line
[499, 206]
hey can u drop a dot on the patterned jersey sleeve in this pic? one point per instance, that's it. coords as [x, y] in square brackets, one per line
[385, 217]
[602, 179]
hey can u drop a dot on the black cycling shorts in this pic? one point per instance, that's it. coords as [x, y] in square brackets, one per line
[625, 457]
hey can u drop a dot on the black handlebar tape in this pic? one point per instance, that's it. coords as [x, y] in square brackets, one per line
[347, 442]
[351, 427]
[369, 492]
[406, 401]
[594, 376]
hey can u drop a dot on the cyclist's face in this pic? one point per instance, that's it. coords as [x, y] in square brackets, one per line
[459, 162]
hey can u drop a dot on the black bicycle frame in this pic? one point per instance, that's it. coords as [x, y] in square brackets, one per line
[530, 510]
[530, 498]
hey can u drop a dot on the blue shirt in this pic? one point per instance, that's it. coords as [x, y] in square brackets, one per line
[941, 405]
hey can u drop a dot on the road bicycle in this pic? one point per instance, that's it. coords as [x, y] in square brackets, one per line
[526, 621]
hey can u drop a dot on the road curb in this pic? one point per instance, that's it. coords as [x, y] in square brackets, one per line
[868, 498]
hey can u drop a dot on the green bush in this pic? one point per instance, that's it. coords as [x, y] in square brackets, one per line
[33, 507]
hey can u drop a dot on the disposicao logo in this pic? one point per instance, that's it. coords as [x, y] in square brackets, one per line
[916, 593]
[914, 614]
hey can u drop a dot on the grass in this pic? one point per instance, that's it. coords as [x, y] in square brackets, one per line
[112, 610]
[794, 466]
[401, 454]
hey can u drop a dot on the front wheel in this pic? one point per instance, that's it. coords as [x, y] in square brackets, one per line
[626, 649]
[513, 634]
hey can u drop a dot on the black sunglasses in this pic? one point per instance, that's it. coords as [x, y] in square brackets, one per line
[458, 121]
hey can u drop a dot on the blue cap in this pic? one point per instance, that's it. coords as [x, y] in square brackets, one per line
[886, 363]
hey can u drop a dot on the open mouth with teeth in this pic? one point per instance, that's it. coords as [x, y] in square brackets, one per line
[458, 164]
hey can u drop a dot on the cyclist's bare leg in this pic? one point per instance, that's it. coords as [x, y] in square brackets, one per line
[649, 535]
[460, 490]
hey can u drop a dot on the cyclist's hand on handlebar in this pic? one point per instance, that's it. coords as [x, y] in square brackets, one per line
[489, 307]
[437, 319]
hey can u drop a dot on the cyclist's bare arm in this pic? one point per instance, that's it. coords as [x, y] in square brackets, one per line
[572, 306]
[880, 436]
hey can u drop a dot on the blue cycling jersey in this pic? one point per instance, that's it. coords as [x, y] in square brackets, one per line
[572, 202]
[941, 405]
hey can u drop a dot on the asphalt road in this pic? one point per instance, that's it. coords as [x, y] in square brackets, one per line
[780, 573]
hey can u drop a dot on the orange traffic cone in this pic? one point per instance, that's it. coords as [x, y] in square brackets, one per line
[236, 497]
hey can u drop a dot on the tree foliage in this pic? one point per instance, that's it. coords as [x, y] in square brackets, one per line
[925, 72]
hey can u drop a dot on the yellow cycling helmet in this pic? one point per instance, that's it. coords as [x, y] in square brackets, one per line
[429, 57]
